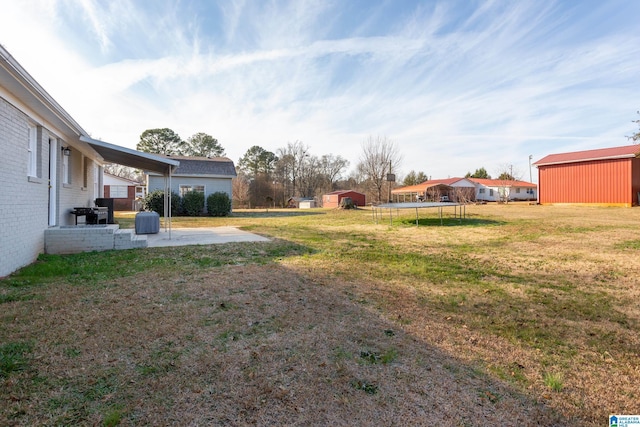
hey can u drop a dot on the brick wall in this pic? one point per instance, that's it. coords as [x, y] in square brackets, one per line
[23, 200]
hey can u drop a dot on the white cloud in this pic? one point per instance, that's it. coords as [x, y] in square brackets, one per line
[455, 91]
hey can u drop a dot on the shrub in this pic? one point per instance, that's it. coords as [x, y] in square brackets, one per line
[193, 203]
[219, 204]
[154, 201]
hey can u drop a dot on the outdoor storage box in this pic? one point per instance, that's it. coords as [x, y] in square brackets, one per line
[147, 223]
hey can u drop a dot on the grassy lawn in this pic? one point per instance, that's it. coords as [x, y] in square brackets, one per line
[528, 314]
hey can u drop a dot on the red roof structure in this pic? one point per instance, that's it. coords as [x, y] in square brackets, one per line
[453, 188]
[624, 152]
[606, 176]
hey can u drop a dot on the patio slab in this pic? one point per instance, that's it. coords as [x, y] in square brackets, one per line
[201, 236]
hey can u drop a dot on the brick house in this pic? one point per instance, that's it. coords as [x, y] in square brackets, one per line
[49, 166]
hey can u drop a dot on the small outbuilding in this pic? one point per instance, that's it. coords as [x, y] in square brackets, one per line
[205, 175]
[127, 195]
[333, 199]
[606, 176]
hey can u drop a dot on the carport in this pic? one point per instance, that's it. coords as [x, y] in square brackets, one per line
[137, 159]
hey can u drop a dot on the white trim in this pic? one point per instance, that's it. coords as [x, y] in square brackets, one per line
[53, 182]
[32, 151]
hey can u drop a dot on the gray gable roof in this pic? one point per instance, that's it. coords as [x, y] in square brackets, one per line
[204, 166]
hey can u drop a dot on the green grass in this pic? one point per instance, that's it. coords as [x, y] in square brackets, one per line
[534, 284]
[93, 268]
[629, 245]
[14, 357]
[554, 381]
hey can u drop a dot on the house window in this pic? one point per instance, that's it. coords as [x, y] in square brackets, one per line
[517, 190]
[118, 191]
[184, 189]
[490, 192]
[32, 149]
[140, 191]
[481, 191]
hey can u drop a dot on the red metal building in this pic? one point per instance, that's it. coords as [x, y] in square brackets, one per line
[607, 176]
[332, 200]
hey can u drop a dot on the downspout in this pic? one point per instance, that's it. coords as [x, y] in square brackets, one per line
[170, 219]
[165, 208]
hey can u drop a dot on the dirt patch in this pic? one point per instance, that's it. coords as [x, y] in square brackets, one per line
[245, 345]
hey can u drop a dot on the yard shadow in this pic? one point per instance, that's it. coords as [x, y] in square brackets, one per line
[274, 213]
[252, 344]
[453, 222]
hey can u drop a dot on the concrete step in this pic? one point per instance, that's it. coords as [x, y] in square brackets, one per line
[126, 239]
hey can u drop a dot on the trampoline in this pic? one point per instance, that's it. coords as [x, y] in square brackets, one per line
[459, 210]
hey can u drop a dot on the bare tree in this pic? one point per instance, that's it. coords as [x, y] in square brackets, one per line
[636, 136]
[310, 177]
[240, 189]
[380, 156]
[125, 172]
[506, 175]
[291, 160]
[332, 167]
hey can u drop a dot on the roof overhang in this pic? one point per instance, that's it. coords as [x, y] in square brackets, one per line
[136, 159]
[26, 90]
[586, 159]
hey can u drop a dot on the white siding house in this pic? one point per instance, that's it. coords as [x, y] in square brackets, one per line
[202, 174]
[493, 190]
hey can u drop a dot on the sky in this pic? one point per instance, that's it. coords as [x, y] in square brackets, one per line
[455, 85]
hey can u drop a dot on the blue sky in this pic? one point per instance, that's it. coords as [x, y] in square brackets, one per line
[457, 85]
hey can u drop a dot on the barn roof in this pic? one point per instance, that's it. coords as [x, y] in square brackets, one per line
[624, 152]
[204, 166]
[343, 192]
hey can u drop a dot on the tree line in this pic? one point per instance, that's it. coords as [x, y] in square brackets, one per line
[267, 178]
[270, 179]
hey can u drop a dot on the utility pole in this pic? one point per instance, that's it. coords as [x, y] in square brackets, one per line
[530, 176]
[389, 181]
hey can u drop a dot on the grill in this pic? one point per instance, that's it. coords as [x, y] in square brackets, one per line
[92, 215]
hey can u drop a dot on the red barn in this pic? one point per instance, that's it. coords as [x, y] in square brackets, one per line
[333, 199]
[606, 176]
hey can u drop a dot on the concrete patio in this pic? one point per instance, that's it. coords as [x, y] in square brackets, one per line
[201, 236]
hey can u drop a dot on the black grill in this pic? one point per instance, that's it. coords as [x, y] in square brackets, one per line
[92, 215]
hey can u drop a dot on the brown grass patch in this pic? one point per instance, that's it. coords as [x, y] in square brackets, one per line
[402, 325]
